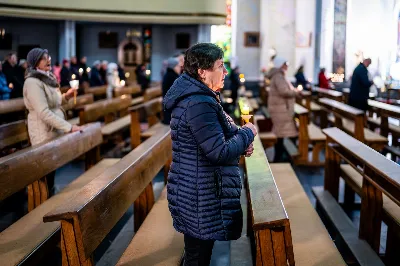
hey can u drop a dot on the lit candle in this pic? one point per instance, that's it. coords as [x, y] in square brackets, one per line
[88, 69]
[80, 71]
[122, 83]
[73, 77]
[127, 74]
[148, 72]
[245, 110]
[300, 87]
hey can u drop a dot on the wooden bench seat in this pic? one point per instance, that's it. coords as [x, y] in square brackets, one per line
[13, 133]
[359, 248]
[115, 126]
[312, 244]
[380, 180]
[351, 120]
[315, 133]
[355, 179]
[90, 215]
[370, 136]
[29, 233]
[331, 94]
[156, 242]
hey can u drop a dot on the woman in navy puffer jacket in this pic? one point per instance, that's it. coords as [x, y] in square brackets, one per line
[204, 183]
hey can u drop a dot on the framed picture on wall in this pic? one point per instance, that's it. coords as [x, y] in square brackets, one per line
[252, 39]
[303, 39]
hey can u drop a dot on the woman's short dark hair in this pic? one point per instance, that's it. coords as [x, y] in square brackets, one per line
[201, 56]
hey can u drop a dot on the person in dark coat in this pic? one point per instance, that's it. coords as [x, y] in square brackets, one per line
[204, 182]
[301, 79]
[74, 67]
[5, 88]
[10, 71]
[103, 70]
[172, 73]
[65, 74]
[360, 84]
[20, 71]
[82, 64]
[141, 76]
[235, 83]
[95, 77]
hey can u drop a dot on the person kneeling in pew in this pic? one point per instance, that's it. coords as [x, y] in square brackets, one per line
[43, 100]
[204, 183]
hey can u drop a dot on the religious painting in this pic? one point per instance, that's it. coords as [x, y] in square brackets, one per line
[303, 40]
[339, 36]
[251, 39]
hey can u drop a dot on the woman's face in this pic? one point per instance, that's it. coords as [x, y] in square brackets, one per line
[44, 63]
[214, 78]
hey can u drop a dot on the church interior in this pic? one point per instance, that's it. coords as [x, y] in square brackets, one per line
[106, 157]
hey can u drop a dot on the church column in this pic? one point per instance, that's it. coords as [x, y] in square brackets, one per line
[204, 33]
[67, 39]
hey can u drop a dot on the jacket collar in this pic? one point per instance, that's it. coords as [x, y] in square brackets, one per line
[49, 80]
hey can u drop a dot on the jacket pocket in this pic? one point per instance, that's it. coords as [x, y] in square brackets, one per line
[218, 183]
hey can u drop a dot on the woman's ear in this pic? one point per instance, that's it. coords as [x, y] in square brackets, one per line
[202, 73]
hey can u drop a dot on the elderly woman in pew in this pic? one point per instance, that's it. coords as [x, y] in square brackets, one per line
[43, 100]
[281, 100]
[204, 183]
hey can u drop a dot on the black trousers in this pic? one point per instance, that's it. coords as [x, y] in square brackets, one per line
[280, 152]
[197, 252]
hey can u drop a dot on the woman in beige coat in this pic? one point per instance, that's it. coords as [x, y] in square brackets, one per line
[281, 102]
[43, 100]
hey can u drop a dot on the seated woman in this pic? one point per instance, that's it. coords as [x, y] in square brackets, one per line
[204, 182]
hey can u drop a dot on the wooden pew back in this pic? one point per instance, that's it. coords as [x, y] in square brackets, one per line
[12, 110]
[152, 109]
[268, 220]
[306, 96]
[152, 93]
[341, 110]
[131, 90]
[29, 165]
[104, 108]
[302, 114]
[380, 176]
[13, 133]
[80, 101]
[385, 111]
[99, 91]
[331, 94]
[89, 217]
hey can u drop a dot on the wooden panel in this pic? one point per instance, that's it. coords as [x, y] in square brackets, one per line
[92, 112]
[113, 192]
[80, 101]
[13, 133]
[97, 91]
[300, 110]
[263, 191]
[132, 89]
[391, 110]
[388, 172]
[335, 95]
[152, 93]
[22, 168]
[29, 233]
[11, 106]
[342, 108]
[265, 249]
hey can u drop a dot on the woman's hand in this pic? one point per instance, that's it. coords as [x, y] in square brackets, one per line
[70, 93]
[249, 151]
[75, 128]
[252, 127]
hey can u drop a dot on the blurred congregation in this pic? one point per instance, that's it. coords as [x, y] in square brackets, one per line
[197, 133]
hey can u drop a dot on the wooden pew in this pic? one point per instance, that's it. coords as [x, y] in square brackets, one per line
[109, 196]
[80, 101]
[104, 108]
[99, 92]
[269, 227]
[12, 110]
[307, 102]
[27, 240]
[352, 121]
[377, 180]
[151, 93]
[312, 244]
[274, 195]
[13, 133]
[268, 138]
[309, 134]
[133, 90]
[330, 94]
[385, 111]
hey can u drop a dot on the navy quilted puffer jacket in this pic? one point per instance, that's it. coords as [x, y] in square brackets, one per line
[204, 181]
